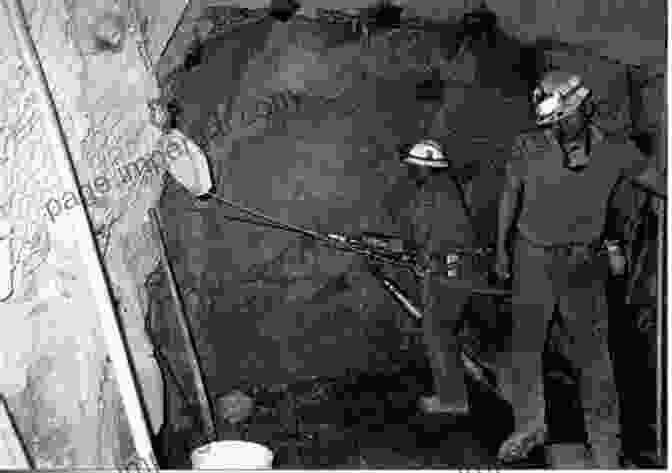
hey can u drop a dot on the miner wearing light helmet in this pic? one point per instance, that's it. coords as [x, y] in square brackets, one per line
[553, 211]
[435, 217]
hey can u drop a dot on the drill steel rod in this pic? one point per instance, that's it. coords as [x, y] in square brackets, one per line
[344, 246]
[312, 234]
[661, 297]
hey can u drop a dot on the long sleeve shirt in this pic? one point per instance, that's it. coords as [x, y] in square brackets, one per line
[434, 217]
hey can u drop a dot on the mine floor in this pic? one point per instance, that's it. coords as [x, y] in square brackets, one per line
[369, 420]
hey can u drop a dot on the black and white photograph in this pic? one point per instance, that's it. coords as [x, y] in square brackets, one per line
[333, 235]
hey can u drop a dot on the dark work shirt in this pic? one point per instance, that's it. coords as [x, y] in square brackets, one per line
[562, 206]
[434, 216]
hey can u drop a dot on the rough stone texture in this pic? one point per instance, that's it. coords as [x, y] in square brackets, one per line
[633, 33]
[54, 370]
[283, 308]
[264, 305]
[269, 307]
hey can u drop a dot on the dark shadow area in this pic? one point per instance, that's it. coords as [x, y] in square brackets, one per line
[371, 420]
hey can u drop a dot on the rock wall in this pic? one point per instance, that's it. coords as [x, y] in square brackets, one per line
[55, 372]
[631, 33]
[302, 121]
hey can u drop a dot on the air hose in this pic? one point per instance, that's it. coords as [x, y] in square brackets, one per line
[347, 244]
[333, 240]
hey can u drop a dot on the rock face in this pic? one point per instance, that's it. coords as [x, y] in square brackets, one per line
[305, 128]
[298, 121]
[55, 373]
[302, 123]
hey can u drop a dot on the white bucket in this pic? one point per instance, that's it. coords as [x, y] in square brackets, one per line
[232, 454]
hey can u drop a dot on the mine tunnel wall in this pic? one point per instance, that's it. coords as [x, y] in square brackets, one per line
[265, 306]
[269, 307]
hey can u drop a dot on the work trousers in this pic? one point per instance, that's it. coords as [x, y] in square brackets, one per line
[443, 310]
[572, 279]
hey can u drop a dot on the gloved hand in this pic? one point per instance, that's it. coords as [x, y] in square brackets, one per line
[503, 265]
[658, 207]
[617, 260]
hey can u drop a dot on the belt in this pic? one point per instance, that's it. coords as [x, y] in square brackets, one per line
[595, 245]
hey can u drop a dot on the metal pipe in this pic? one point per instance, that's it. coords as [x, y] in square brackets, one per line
[339, 244]
[399, 296]
[661, 302]
[332, 242]
[661, 332]
[85, 236]
[258, 214]
[192, 355]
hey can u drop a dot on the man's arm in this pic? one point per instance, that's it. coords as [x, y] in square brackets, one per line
[640, 170]
[653, 181]
[508, 207]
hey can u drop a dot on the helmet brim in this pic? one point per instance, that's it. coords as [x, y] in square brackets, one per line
[569, 109]
[431, 163]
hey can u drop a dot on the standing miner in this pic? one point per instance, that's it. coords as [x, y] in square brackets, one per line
[559, 183]
[437, 222]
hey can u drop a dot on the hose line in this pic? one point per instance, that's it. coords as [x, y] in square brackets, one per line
[330, 241]
[342, 244]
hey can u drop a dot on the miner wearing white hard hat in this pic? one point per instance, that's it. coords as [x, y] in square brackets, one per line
[552, 216]
[435, 218]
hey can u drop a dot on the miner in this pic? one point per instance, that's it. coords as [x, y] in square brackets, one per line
[436, 220]
[551, 220]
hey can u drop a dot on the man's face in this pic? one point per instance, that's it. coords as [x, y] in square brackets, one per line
[569, 132]
[570, 128]
[418, 174]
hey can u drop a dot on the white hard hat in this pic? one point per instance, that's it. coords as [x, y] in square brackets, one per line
[426, 153]
[558, 95]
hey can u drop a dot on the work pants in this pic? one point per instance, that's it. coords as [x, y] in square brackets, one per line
[544, 278]
[443, 310]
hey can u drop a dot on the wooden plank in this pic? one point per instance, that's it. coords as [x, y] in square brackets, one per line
[82, 233]
[12, 449]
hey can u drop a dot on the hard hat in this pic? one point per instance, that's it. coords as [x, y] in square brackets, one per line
[426, 153]
[558, 95]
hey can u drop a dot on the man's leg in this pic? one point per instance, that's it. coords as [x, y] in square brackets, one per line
[521, 380]
[442, 313]
[587, 322]
[482, 337]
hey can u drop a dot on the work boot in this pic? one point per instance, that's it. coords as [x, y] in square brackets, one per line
[520, 443]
